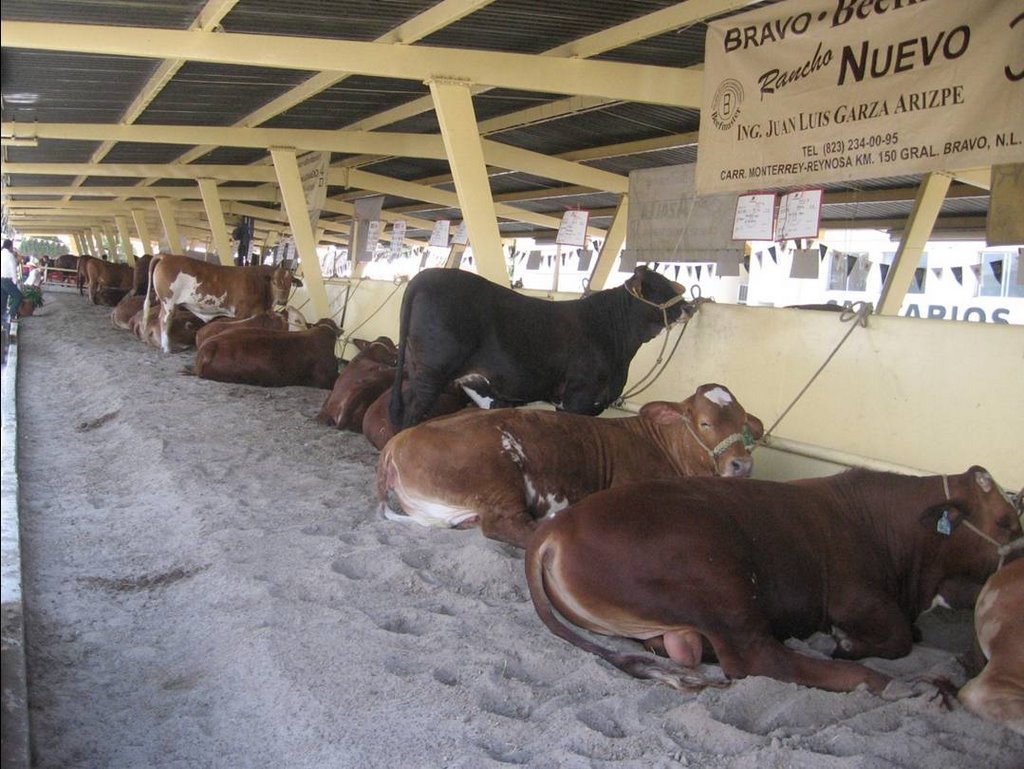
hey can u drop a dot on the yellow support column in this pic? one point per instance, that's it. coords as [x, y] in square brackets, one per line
[139, 217]
[113, 247]
[929, 199]
[215, 216]
[97, 242]
[453, 103]
[165, 207]
[612, 245]
[126, 238]
[79, 244]
[294, 199]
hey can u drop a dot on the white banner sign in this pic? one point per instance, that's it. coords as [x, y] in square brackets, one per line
[313, 168]
[397, 238]
[811, 91]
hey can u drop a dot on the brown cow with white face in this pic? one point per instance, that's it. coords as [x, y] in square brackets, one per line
[213, 290]
[733, 567]
[504, 469]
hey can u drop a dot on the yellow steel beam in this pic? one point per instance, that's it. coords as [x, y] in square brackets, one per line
[405, 145]
[171, 235]
[294, 198]
[612, 80]
[215, 216]
[126, 238]
[919, 227]
[142, 227]
[263, 194]
[164, 171]
[457, 119]
[611, 247]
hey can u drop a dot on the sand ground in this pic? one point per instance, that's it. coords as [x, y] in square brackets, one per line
[208, 584]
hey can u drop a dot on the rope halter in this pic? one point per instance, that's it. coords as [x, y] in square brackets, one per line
[744, 435]
[663, 306]
[1002, 550]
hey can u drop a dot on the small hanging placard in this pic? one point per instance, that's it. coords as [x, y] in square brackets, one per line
[755, 217]
[799, 215]
[573, 229]
[439, 235]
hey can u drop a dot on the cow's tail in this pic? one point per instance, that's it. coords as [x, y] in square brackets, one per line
[150, 289]
[396, 409]
[539, 554]
[80, 276]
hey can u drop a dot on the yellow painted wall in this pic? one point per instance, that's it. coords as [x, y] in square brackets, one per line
[927, 395]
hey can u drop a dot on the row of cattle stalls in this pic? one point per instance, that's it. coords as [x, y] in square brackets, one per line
[861, 388]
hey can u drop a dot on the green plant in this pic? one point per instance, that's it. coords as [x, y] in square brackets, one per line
[32, 294]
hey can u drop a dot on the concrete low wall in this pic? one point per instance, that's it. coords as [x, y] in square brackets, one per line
[14, 750]
[926, 395]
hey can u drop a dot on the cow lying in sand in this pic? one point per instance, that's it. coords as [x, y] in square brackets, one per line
[734, 567]
[998, 692]
[504, 469]
[270, 357]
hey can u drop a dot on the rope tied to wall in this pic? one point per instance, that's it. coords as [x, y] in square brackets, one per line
[348, 338]
[857, 312]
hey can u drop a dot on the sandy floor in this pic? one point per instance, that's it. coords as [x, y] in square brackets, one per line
[208, 585]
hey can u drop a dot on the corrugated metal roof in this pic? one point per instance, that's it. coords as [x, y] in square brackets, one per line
[89, 88]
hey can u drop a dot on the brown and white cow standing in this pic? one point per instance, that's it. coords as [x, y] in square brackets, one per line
[998, 692]
[213, 290]
[504, 469]
[733, 567]
[272, 358]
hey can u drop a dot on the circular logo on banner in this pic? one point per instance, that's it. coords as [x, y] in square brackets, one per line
[726, 106]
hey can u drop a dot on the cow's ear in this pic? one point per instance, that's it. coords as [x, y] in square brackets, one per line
[661, 412]
[756, 427]
[296, 281]
[942, 518]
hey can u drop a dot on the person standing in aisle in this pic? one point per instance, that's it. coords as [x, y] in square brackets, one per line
[9, 276]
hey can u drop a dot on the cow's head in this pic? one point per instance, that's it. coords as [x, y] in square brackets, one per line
[329, 324]
[979, 523]
[662, 295]
[713, 429]
[281, 282]
[381, 350]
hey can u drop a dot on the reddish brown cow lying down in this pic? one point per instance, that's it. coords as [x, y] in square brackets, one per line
[998, 692]
[121, 316]
[503, 469]
[363, 378]
[377, 425]
[269, 319]
[735, 566]
[271, 358]
[181, 329]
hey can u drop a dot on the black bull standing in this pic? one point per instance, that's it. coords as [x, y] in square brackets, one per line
[505, 349]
